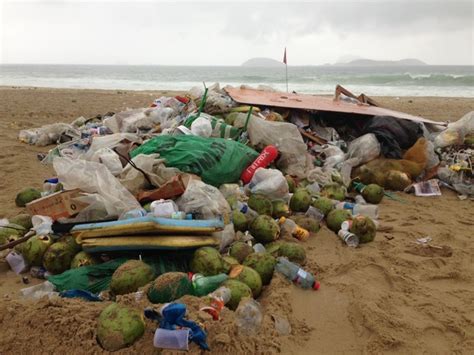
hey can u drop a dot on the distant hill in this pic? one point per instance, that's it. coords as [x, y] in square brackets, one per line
[262, 62]
[371, 63]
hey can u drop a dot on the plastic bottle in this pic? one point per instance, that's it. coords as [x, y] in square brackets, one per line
[135, 213]
[259, 248]
[248, 316]
[246, 210]
[349, 238]
[291, 227]
[163, 208]
[368, 210]
[314, 213]
[268, 154]
[219, 298]
[295, 273]
[206, 284]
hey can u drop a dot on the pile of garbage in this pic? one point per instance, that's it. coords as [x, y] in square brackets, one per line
[200, 195]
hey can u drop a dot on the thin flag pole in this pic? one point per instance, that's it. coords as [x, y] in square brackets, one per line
[286, 69]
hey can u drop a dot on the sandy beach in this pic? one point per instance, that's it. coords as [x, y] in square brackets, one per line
[389, 296]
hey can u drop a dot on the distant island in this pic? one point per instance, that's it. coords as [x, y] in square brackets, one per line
[262, 62]
[372, 63]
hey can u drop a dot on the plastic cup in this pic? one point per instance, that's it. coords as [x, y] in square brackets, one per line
[171, 339]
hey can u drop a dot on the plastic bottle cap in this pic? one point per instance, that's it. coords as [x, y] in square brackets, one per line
[316, 285]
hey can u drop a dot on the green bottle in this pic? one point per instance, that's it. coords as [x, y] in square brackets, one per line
[204, 285]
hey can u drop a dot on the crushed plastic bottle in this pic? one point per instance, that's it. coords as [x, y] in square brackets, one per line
[295, 273]
[248, 316]
[219, 299]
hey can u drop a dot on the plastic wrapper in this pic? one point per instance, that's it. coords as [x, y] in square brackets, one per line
[269, 182]
[226, 236]
[110, 159]
[365, 148]
[204, 200]
[155, 169]
[48, 134]
[95, 178]
[456, 131]
[109, 141]
[131, 121]
[286, 137]
[459, 181]
[201, 127]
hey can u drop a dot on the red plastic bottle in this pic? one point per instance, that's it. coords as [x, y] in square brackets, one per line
[267, 155]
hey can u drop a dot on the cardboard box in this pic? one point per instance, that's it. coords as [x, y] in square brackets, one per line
[58, 205]
[172, 188]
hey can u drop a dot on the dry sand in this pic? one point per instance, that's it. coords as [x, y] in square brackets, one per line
[389, 296]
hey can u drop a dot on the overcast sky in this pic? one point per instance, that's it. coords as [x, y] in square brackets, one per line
[228, 33]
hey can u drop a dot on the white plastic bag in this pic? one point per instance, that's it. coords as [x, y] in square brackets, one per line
[286, 137]
[110, 159]
[95, 178]
[157, 172]
[201, 127]
[269, 182]
[365, 148]
[204, 200]
[226, 236]
[456, 131]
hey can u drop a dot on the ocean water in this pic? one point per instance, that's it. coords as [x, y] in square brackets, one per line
[391, 81]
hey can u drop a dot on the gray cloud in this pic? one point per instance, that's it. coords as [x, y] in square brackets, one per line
[225, 32]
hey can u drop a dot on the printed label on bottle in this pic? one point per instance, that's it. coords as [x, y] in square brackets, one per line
[302, 274]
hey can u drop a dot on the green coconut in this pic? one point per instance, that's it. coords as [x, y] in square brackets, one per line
[240, 250]
[396, 180]
[23, 220]
[248, 276]
[207, 261]
[310, 224]
[263, 263]
[58, 256]
[27, 195]
[334, 192]
[169, 287]
[130, 276]
[232, 201]
[82, 259]
[373, 193]
[323, 204]
[238, 290]
[273, 247]
[119, 326]
[240, 221]
[292, 251]
[11, 232]
[302, 184]
[364, 228]
[335, 219]
[229, 261]
[260, 204]
[33, 249]
[280, 209]
[291, 183]
[300, 200]
[265, 229]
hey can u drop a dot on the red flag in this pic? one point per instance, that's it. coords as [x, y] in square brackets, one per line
[284, 57]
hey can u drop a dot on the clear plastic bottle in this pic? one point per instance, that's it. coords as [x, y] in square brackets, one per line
[349, 238]
[295, 273]
[368, 210]
[292, 228]
[259, 248]
[248, 316]
[314, 213]
[246, 210]
[219, 298]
